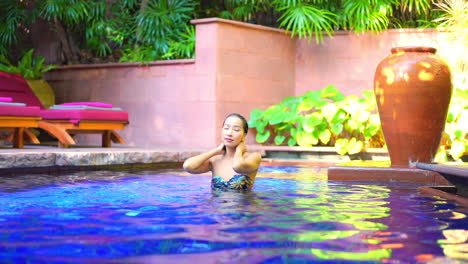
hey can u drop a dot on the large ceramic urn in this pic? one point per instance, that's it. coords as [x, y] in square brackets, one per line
[413, 89]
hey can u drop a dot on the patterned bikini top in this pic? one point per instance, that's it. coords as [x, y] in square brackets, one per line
[237, 182]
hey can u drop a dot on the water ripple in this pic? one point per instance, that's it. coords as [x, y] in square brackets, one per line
[299, 217]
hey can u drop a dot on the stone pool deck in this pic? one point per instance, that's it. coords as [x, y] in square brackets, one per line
[47, 158]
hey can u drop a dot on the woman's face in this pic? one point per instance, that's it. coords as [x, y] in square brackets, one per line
[232, 132]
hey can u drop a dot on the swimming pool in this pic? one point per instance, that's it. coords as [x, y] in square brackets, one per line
[293, 215]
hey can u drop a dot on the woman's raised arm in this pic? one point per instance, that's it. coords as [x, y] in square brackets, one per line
[201, 163]
[245, 162]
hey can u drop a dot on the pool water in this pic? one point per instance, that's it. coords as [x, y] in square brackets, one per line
[293, 215]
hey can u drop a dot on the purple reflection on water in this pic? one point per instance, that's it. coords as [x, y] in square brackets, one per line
[292, 215]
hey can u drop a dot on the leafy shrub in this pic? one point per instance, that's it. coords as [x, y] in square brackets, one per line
[454, 142]
[324, 117]
[31, 68]
[328, 118]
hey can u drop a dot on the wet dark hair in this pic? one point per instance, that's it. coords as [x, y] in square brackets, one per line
[245, 125]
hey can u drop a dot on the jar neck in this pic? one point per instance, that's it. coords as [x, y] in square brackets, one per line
[414, 49]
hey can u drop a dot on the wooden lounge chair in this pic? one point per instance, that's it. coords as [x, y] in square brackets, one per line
[64, 124]
[17, 120]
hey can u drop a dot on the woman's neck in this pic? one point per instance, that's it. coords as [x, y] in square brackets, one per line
[230, 152]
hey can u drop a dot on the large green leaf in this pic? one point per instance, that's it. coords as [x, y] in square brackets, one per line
[313, 95]
[337, 128]
[293, 132]
[329, 111]
[311, 121]
[371, 131]
[279, 139]
[292, 142]
[360, 116]
[255, 115]
[341, 146]
[329, 91]
[353, 124]
[339, 117]
[260, 125]
[307, 105]
[305, 139]
[263, 137]
[355, 146]
[278, 117]
[325, 136]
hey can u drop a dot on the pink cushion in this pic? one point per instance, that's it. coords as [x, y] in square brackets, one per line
[85, 115]
[16, 87]
[6, 99]
[96, 104]
[13, 110]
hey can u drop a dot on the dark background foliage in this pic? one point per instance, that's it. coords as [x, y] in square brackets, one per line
[91, 31]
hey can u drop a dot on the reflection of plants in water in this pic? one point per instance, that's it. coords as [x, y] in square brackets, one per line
[369, 255]
[376, 254]
[348, 205]
[455, 244]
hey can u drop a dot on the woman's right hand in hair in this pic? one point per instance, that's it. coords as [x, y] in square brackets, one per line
[220, 149]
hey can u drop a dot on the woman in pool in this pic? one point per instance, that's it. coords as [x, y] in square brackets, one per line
[231, 165]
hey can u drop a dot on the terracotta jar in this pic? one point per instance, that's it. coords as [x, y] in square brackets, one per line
[413, 90]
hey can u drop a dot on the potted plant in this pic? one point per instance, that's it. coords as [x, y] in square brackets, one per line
[32, 69]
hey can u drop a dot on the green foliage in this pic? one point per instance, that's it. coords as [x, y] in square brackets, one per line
[454, 20]
[137, 53]
[14, 13]
[29, 67]
[84, 17]
[364, 15]
[184, 47]
[305, 20]
[160, 21]
[454, 142]
[161, 30]
[350, 124]
[324, 117]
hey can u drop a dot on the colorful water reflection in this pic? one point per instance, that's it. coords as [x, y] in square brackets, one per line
[293, 215]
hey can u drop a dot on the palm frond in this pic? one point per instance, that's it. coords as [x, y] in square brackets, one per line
[364, 15]
[418, 6]
[306, 21]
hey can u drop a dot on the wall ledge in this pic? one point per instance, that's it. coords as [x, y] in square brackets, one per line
[282, 31]
[123, 64]
[237, 23]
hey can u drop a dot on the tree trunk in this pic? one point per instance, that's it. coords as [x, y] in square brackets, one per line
[70, 54]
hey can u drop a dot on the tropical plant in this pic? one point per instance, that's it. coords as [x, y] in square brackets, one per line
[324, 117]
[454, 142]
[89, 31]
[184, 47]
[15, 17]
[31, 68]
[455, 138]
